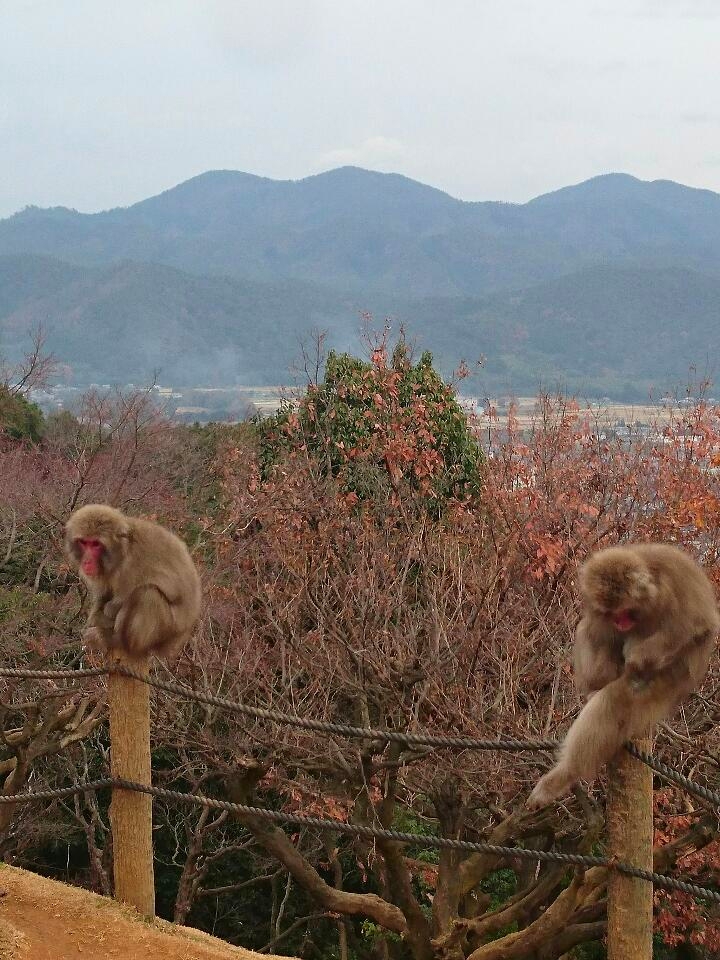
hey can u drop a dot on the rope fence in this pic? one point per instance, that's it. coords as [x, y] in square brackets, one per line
[674, 776]
[510, 744]
[411, 740]
[372, 833]
[289, 719]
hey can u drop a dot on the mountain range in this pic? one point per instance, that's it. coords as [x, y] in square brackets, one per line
[611, 286]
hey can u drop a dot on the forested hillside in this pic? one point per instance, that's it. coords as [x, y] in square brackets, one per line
[629, 332]
[611, 286]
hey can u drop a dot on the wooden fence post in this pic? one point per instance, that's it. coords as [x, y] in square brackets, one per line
[131, 812]
[630, 833]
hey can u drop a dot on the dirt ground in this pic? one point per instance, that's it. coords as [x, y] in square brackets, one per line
[45, 920]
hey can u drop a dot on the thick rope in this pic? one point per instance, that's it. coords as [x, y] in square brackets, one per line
[363, 733]
[373, 833]
[674, 776]
[275, 716]
[22, 673]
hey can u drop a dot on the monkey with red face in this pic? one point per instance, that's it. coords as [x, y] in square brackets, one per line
[648, 629]
[143, 583]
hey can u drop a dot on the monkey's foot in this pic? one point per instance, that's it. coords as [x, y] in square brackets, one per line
[554, 784]
[540, 797]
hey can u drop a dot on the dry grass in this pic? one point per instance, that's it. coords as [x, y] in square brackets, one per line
[42, 919]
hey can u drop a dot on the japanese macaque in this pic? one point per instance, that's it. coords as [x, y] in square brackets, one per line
[144, 588]
[648, 629]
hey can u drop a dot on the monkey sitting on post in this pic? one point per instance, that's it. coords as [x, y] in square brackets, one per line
[648, 629]
[143, 584]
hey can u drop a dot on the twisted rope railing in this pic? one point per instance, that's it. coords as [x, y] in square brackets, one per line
[363, 733]
[660, 880]
[277, 716]
[674, 776]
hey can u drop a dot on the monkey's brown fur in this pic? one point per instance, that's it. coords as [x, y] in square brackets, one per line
[146, 596]
[648, 629]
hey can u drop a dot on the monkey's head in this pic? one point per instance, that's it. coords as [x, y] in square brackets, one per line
[97, 539]
[617, 584]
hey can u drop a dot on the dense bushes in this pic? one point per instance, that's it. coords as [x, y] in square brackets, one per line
[374, 424]
[362, 562]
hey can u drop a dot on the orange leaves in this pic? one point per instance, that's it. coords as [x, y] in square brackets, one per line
[379, 357]
[549, 555]
[678, 916]
[568, 488]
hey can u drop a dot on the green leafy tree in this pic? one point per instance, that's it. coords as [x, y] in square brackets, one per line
[386, 424]
[19, 418]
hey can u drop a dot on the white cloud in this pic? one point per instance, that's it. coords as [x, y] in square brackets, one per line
[681, 9]
[269, 31]
[376, 152]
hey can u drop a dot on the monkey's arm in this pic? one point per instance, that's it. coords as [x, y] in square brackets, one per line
[596, 657]
[99, 628]
[646, 656]
[111, 609]
[103, 612]
[146, 622]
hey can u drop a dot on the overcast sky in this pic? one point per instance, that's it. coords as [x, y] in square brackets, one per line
[105, 102]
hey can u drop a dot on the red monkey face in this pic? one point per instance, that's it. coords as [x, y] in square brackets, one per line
[91, 553]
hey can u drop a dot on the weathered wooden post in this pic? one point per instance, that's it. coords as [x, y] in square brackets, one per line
[630, 833]
[131, 812]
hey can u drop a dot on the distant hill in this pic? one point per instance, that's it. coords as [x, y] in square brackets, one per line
[126, 321]
[610, 286]
[628, 332]
[375, 231]
[604, 330]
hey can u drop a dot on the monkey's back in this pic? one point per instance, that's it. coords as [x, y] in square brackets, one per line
[159, 558]
[688, 581]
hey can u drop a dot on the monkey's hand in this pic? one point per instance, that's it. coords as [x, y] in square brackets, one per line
[97, 638]
[111, 610]
[638, 681]
[647, 657]
[597, 659]
[639, 672]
